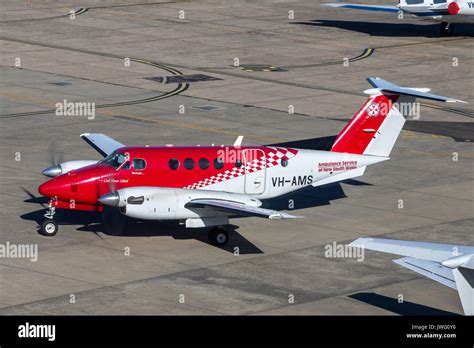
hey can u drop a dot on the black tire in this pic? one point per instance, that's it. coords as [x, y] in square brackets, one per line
[49, 228]
[218, 236]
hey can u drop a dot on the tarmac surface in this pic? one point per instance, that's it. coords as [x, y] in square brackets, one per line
[425, 192]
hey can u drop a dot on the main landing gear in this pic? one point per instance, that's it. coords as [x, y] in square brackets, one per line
[218, 236]
[446, 29]
[49, 227]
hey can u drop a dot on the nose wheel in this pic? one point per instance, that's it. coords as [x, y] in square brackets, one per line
[49, 227]
[218, 236]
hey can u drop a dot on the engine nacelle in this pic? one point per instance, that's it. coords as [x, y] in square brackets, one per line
[461, 7]
[73, 165]
[65, 167]
[155, 203]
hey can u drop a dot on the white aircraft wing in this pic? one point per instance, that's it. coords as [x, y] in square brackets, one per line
[239, 208]
[448, 264]
[429, 269]
[376, 8]
[101, 143]
[420, 250]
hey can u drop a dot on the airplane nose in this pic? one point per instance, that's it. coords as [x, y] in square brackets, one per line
[46, 189]
[52, 171]
[112, 199]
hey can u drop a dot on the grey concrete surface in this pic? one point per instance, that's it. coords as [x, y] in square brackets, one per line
[173, 271]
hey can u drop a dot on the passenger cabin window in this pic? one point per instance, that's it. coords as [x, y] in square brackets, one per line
[173, 164]
[238, 163]
[203, 163]
[139, 164]
[189, 163]
[219, 163]
[439, 1]
[115, 159]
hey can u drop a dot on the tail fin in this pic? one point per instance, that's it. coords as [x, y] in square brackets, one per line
[376, 126]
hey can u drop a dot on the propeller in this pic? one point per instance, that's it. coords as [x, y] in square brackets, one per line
[111, 184]
[56, 157]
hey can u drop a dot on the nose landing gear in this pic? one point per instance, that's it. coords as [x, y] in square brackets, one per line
[49, 227]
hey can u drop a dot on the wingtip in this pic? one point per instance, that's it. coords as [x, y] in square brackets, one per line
[359, 242]
[456, 101]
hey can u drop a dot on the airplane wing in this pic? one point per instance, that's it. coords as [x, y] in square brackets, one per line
[376, 8]
[420, 250]
[448, 264]
[101, 143]
[239, 208]
[429, 269]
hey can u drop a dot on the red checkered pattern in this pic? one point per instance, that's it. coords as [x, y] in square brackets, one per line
[273, 158]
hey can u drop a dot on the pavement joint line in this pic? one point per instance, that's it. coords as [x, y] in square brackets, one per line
[231, 262]
[390, 211]
[340, 91]
[48, 274]
[418, 190]
[336, 296]
[91, 243]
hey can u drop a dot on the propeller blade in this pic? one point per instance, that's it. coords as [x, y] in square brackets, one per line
[55, 155]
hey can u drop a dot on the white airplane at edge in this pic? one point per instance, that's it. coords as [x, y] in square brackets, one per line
[448, 264]
[444, 11]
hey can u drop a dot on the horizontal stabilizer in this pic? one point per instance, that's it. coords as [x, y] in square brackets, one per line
[388, 87]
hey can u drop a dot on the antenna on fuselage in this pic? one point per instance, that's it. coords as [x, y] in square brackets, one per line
[238, 141]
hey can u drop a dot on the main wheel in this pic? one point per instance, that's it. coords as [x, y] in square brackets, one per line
[49, 228]
[218, 236]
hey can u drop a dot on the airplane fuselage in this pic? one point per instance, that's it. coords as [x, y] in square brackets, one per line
[440, 14]
[260, 171]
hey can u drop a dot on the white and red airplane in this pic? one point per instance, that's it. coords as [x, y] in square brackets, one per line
[203, 186]
[444, 11]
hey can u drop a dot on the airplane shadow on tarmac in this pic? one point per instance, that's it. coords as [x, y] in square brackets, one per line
[390, 29]
[392, 305]
[92, 222]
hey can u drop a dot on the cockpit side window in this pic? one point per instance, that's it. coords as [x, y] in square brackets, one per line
[115, 159]
[415, 2]
[139, 164]
[439, 1]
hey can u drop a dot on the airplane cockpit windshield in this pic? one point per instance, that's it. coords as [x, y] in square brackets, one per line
[115, 159]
